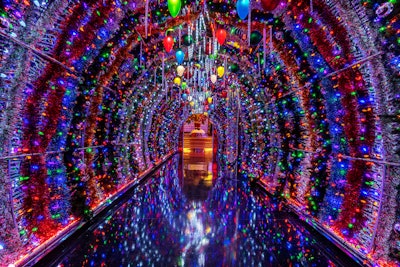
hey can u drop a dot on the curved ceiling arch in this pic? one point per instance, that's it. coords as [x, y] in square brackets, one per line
[319, 116]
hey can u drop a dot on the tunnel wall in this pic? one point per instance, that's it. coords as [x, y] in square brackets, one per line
[83, 112]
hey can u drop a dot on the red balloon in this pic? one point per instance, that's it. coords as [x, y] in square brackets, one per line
[270, 5]
[224, 94]
[221, 36]
[168, 43]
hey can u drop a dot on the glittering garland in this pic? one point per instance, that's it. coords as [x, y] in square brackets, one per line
[350, 84]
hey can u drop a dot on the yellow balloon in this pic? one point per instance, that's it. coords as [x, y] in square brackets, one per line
[220, 71]
[177, 81]
[209, 100]
[191, 104]
[205, 113]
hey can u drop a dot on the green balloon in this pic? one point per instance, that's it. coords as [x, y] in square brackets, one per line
[184, 85]
[255, 37]
[174, 6]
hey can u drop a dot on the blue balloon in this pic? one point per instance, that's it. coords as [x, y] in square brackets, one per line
[184, 96]
[242, 7]
[212, 106]
[179, 56]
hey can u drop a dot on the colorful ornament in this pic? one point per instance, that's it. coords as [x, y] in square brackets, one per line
[180, 56]
[270, 5]
[168, 43]
[220, 71]
[177, 81]
[180, 70]
[224, 94]
[213, 78]
[184, 85]
[174, 6]
[242, 7]
[187, 39]
[234, 68]
[221, 36]
[255, 37]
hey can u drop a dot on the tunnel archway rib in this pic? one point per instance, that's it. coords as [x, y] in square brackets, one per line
[318, 118]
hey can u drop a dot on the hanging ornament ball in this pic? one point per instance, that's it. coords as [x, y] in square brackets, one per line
[213, 78]
[209, 100]
[168, 43]
[220, 71]
[187, 39]
[242, 7]
[180, 70]
[174, 6]
[184, 85]
[396, 227]
[234, 68]
[224, 94]
[184, 96]
[177, 81]
[270, 5]
[180, 56]
[255, 37]
[221, 36]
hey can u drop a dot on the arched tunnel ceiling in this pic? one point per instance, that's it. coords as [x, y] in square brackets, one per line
[312, 104]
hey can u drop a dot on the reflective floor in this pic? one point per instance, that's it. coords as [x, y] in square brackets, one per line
[188, 221]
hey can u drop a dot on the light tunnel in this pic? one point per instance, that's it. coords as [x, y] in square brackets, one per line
[303, 96]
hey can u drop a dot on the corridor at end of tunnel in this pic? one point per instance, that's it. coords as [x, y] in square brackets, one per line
[233, 226]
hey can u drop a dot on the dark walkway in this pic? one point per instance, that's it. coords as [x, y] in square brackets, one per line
[166, 224]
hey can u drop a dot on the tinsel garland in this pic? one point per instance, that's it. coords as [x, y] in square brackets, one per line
[350, 84]
[91, 119]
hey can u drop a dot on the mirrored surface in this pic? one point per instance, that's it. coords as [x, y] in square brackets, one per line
[161, 226]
